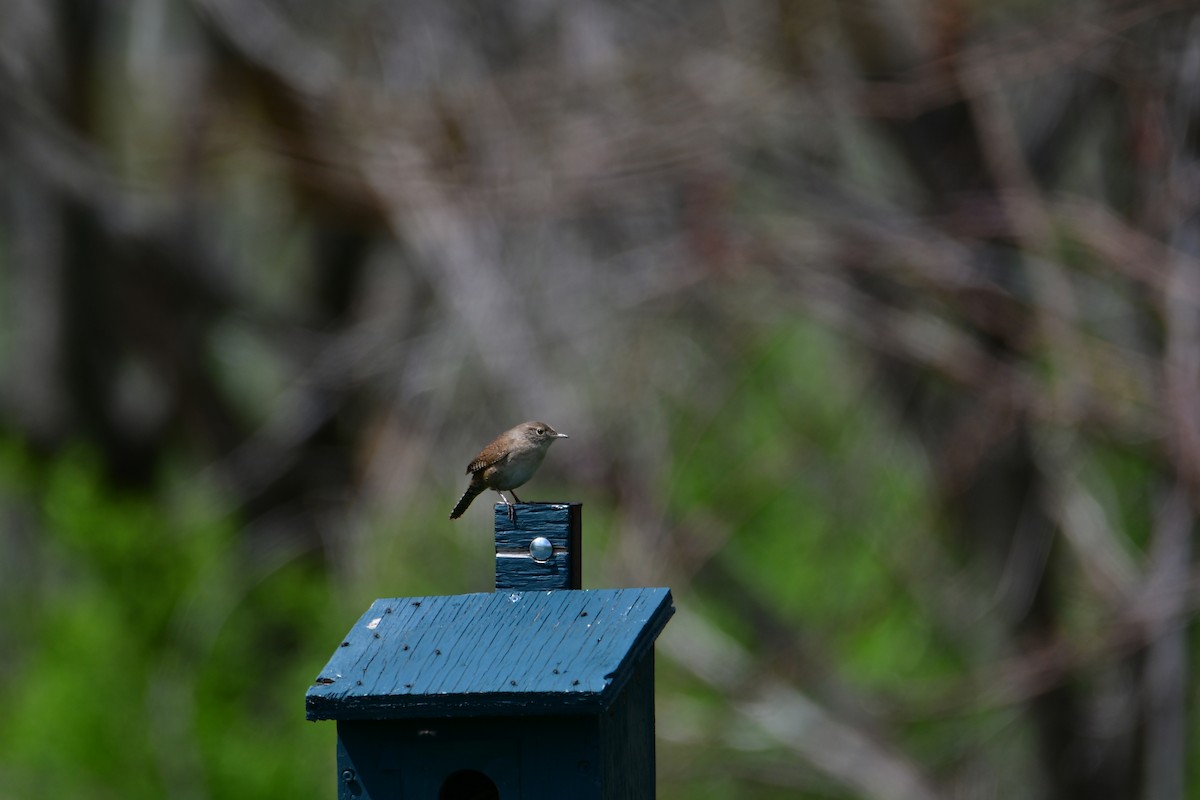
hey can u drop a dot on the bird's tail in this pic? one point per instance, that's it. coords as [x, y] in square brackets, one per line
[473, 491]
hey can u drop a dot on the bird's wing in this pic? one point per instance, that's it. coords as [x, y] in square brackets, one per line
[483, 462]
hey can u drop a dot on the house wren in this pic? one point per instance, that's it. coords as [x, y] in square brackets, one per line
[506, 463]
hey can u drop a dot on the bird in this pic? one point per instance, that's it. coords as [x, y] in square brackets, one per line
[508, 462]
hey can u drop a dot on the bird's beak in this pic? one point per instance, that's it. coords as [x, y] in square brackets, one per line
[563, 436]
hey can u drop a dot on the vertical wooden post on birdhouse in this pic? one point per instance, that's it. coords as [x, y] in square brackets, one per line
[539, 547]
[539, 689]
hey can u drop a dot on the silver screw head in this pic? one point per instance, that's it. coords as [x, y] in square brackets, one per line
[540, 550]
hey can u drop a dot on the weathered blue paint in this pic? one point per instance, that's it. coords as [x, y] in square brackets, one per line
[505, 652]
[558, 522]
[625, 732]
[553, 757]
[537, 691]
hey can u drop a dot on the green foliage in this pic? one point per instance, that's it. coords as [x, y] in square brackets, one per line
[827, 516]
[160, 651]
[820, 498]
[152, 655]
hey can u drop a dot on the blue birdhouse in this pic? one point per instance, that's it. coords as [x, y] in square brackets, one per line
[517, 693]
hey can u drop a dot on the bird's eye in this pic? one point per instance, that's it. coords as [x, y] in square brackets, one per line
[541, 431]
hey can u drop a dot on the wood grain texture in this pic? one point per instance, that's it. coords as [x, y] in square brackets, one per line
[507, 652]
[626, 736]
[561, 523]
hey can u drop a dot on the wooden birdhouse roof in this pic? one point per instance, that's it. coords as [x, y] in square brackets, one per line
[504, 652]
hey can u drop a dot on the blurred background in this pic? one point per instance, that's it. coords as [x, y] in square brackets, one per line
[875, 326]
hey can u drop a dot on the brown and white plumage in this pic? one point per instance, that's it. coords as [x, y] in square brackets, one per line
[508, 462]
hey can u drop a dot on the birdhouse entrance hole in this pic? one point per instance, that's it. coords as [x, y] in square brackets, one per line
[468, 784]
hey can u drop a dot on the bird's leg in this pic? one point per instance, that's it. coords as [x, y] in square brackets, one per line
[512, 509]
